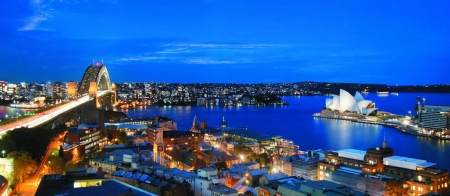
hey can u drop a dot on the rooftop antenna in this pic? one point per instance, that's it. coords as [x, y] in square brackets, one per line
[384, 142]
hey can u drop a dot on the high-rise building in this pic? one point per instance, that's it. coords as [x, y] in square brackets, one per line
[48, 89]
[434, 117]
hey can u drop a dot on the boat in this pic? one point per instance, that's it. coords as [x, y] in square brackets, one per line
[383, 92]
[394, 93]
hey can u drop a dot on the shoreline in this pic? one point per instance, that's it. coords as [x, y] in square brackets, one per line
[397, 126]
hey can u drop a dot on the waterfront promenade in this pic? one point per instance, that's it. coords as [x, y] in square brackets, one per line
[400, 123]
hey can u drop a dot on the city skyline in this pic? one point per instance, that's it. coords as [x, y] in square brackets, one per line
[403, 43]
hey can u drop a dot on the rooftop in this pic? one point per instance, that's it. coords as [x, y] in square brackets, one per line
[132, 126]
[207, 168]
[276, 176]
[406, 162]
[257, 172]
[171, 134]
[250, 134]
[222, 189]
[352, 154]
[55, 184]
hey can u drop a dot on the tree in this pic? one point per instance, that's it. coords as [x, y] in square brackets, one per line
[48, 100]
[221, 165]
[264, 159]
[114, 116]
[114, 133]
[57, 164]
[199, 163]
[248, 193]
[395, 187]
[23, 166]
[242, 150]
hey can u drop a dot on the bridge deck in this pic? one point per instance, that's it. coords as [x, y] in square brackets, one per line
[34, 121]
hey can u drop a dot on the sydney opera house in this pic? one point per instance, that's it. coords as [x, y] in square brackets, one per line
[346, 103]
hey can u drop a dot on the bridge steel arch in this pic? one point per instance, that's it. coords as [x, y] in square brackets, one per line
[96, 73]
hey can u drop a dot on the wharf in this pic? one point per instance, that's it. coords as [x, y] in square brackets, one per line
[403, 128]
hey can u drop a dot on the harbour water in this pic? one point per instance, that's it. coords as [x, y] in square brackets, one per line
[295, 122]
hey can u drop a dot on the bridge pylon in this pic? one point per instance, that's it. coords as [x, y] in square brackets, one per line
[114, 94]
[93, 92]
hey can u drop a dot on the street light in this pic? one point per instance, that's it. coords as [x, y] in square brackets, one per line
[3, 152]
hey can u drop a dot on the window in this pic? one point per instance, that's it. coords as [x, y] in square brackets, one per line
[420, 189]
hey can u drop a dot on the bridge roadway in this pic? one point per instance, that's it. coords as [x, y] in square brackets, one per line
[34, 121]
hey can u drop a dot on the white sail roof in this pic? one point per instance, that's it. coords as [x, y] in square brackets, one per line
[346, 102]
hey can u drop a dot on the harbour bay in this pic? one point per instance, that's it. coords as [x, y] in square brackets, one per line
[295, 122]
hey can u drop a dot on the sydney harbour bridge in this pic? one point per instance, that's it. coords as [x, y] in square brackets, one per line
[95, 91]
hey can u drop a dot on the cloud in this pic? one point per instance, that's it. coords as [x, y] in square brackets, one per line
[224, 46]
[42, 11]
[205, 53]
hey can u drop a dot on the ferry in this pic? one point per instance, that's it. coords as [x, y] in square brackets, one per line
[384, 92]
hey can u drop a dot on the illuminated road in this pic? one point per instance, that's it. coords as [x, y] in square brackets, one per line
[29, 187]
[37, 120]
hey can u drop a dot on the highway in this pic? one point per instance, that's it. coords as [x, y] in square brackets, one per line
[49, 114]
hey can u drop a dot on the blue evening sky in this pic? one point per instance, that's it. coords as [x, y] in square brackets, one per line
[245, 41]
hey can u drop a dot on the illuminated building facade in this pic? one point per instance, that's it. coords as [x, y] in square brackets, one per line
[369, 170]
[82, 140]
[173, 138]
[434, 117]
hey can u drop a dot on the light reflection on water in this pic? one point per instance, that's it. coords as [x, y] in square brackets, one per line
[296, 123]
[12, 112]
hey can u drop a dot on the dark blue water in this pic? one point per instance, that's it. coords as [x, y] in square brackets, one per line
[294, 122]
